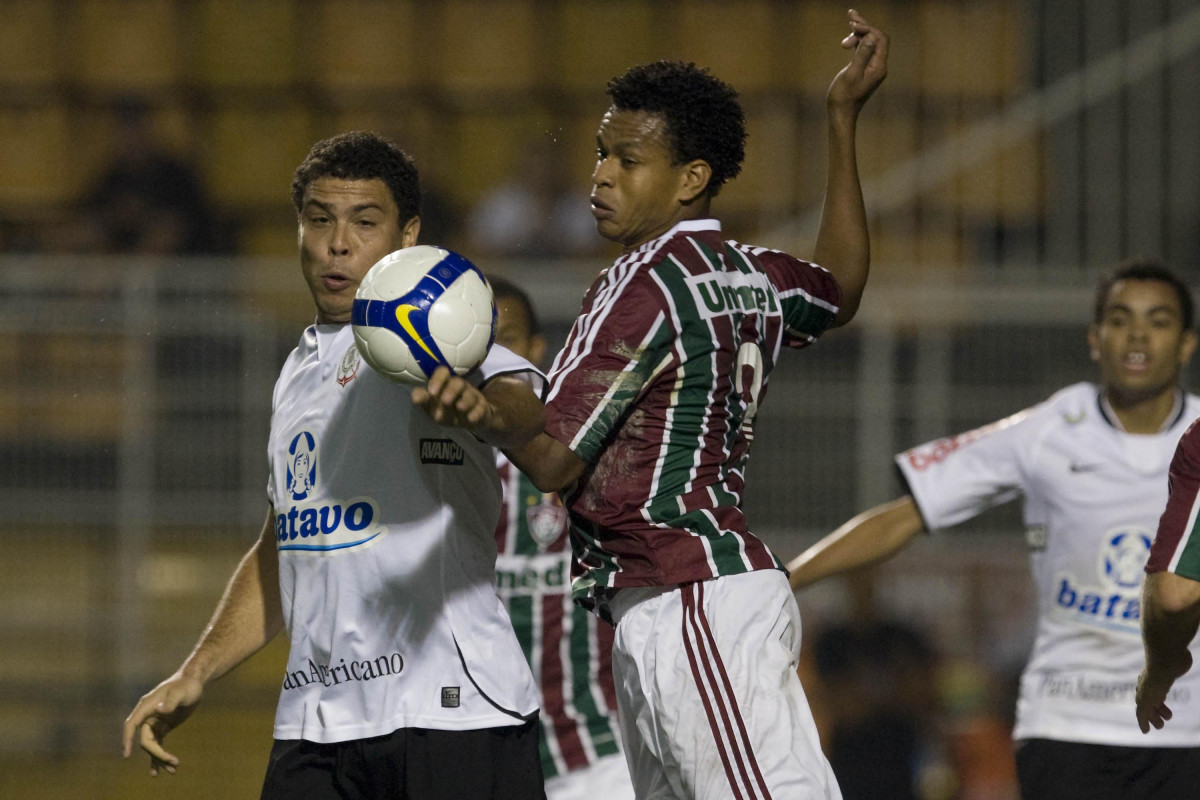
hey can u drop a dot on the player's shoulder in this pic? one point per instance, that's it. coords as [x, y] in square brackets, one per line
[1187, 454]
[1070, 406]
[306, 347]
[769, 255]
[1191, 409]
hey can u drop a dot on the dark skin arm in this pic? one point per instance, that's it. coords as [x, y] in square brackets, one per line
[842, 245]
[1170, 618]
[504, 413]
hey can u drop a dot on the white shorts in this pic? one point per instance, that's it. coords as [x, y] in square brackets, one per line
[607, 778]
[710, 704]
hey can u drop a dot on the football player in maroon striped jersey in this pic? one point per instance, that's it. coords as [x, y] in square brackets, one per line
[650, 415]
[1171, 594]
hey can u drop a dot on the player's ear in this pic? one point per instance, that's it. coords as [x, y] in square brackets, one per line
[694, 180]
[1187, 347]
[1094, 342]
[408, 235]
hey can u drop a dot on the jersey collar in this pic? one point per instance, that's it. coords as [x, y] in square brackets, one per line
[326, 334]
[1110, 416]
[707, 224]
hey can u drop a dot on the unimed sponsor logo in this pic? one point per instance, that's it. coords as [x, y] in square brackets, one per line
[549, 573]
[731, 293]
[441, 451]
[323, 674]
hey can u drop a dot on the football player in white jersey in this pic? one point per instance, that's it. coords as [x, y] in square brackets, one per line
[1091, 464]
[404, 677]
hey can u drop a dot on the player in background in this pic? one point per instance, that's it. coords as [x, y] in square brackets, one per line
[569, 648]
[649, 420]
[1091, 464]
[1171, 595]
[404, 677]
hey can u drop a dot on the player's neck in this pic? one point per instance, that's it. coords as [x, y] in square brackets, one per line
[1142, 414]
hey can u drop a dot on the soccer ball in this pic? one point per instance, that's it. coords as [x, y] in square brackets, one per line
[420, 308]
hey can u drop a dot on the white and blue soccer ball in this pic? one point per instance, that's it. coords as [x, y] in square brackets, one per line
[420, 308]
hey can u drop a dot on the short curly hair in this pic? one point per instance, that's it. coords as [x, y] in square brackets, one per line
[361, 155]
[1146, 269]
[703, 116]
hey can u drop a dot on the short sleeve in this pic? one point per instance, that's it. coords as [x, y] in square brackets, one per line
[955, 479]
[502, 361]
[1176, 547]
[809, 297]
[612, 351]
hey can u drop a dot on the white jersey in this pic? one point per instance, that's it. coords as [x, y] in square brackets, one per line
[1093, 495]
[385, 526]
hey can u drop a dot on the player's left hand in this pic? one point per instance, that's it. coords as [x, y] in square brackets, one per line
[867, 68]
[1151, 697]
[452, 401]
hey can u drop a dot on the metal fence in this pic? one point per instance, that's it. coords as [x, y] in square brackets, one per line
[133, 423]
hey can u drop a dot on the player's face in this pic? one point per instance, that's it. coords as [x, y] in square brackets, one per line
[512, 331]
[1140, 343]
[345, 227]
[638, 191]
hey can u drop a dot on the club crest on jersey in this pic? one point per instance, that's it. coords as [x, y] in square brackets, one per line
[349, 366]
[1113, 599]
[320, 527]
[722, 293]
[547, 520]
[302, 465]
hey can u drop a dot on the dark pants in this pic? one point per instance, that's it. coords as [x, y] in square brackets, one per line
[410, 764]
[1052, 770]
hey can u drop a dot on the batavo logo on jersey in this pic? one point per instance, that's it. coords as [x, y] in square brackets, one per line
[316, 527]
[1114, 603]
[302, 465]
[328, 528]
[442, 451]
[721, 293]
[323, 674]
[924, 457]
[518, 576]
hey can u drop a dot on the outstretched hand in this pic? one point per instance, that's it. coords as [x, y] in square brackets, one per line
[1151, 695]
[856, 82]
[160, 711]
[452, 401]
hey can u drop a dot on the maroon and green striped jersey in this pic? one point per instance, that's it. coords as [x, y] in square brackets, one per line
[1176, 547]
[656, 389]
[568, 649]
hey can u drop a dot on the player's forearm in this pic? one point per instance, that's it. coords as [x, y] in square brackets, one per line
[516, 416]
[247, 617]
[1170, 619]
[868, 538]
[843, 246]
[549, 463]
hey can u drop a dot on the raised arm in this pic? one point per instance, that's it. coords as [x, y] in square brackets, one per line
[1170, 618]
[868, 538]
[247, 617]
[843, 246]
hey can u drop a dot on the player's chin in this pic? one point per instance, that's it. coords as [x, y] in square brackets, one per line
[609, 230]
[333, 311]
